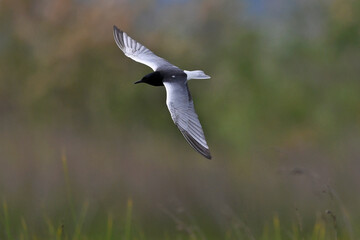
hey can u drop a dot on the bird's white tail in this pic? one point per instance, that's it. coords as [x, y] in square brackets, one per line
[197, 74]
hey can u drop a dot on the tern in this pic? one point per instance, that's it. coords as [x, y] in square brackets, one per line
[178, 98]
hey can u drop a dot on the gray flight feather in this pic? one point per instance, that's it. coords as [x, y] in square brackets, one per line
[181, 107]
[138, 52]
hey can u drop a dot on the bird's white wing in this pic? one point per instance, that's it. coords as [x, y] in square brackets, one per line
[138, 52]
[181, 107]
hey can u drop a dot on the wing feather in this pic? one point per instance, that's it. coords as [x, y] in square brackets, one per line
[183, 113]
[138, 52]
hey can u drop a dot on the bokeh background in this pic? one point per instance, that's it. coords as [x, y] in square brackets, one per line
[81, 146]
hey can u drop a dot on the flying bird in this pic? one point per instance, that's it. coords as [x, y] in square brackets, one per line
[178, 98]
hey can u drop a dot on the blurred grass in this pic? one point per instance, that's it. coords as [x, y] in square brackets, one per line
[6, 220]
[85, 154]
[324, 228]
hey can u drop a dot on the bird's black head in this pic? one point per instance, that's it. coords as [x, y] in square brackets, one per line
[154, 79]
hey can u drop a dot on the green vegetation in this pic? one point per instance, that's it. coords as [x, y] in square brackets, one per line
[325, 227]
[86, 154]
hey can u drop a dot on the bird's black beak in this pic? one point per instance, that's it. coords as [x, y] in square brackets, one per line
[140, 81]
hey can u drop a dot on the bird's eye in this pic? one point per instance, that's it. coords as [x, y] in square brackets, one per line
[173, 76]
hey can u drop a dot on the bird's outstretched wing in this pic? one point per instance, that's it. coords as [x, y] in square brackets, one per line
[138, 52]
[181, 107]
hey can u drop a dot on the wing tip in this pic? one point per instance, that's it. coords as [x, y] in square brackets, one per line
[196, 145]
[208, 156]
[118, 36]
[116, 29]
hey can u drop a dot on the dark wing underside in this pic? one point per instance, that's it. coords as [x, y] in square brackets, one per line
[196, 145]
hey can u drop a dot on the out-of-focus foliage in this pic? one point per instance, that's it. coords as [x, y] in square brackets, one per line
[59, 62]
[284, 94]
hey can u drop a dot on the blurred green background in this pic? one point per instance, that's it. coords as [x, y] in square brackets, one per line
[80, 144]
